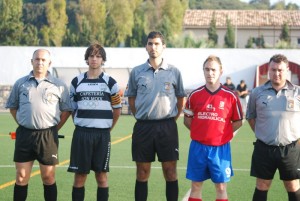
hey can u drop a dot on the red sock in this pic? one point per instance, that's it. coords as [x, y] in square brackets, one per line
[194, 199]
[221, 199]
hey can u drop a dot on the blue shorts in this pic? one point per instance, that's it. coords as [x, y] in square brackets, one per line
[209, 162]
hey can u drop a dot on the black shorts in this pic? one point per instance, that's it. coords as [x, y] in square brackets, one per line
[267, 159]
[41, 145]
[90, 150]
[155, 137]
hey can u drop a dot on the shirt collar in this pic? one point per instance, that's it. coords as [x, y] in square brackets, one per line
[164, 65]
[288, 85]
[49, 77]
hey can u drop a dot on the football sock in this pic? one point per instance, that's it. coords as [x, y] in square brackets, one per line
[78, 194]
[221, 199]
[194, 199]
[172, 190]
[102, 194]
[260, 195]
[20, 192]
[50, 192]
[141, 190]
[294, 196]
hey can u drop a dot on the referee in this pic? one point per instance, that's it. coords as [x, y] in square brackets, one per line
[155, 95]
[40, 105]
[273, 114]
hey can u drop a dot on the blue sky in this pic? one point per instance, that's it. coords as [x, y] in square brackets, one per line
[274, 1]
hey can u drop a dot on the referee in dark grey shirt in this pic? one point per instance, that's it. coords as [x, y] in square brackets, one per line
[40, 104]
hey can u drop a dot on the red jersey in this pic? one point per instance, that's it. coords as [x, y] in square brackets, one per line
[212, 115]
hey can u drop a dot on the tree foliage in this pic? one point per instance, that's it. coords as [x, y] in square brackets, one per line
[285, 33]
[218, 4]
[229, 38]
[212, 31]
[57, 20]
[120, 21]
[113, 23]
[91, 21]
[11, 26]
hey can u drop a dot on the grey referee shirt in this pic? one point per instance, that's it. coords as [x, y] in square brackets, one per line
[39, 105]
[156, 92]
[276, 115]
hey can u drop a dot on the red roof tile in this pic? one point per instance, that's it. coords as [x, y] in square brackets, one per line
[242, 18]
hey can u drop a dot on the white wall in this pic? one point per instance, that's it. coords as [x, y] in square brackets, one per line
[237, 63]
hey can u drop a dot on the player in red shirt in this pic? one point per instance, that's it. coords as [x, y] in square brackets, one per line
[212, 113]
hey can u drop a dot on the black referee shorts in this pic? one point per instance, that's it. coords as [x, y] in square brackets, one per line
[155, 137]
[41, 145]
[267, 159]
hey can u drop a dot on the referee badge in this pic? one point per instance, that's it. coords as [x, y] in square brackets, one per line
[167, 86]
[293, 104]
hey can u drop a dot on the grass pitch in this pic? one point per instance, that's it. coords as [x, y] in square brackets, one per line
[122, 168]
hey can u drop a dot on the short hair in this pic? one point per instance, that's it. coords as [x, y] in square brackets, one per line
[95, 49]
[156, 34]
[37, 50]
[278, 58]
[213, 58]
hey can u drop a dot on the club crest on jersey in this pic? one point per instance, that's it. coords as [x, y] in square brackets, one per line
[221, 105]
[210, 107]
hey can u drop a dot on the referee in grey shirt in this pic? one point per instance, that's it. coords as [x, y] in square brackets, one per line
[273, 114]
[155, 95]
[40, 104]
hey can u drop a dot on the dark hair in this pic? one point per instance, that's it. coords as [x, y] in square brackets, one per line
[156, 34]
[213, 58]
[278, 58]
[95, 49]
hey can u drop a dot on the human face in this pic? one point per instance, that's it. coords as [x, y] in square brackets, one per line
[212, 72]
[155, 47]
[40, 62]
[278, 73]
[95, 61]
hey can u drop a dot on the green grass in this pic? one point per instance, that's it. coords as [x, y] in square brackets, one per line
[122, 168]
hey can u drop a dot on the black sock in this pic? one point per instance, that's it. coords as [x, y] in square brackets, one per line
[172, 190]
[294, 196]
[50, 192]
[78, 194]
[20, 192]
[260, 195]
[141, 190]
[102, 194]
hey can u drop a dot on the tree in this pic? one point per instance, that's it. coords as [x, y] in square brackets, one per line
[30, 36]
[218, 4]
[120, 21]
[292, 6]
[57, 21]
[250, 43]
[35, 14]
[172, 14]
[260, 4]
[260, 42]
[280, 5]
[11, 26]
[229, 36]
[90, 21]
[285, 33]
[139, 35]
[212, 31]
